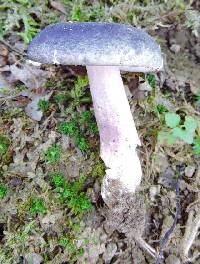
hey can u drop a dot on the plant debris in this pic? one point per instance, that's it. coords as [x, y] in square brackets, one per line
[50, 169]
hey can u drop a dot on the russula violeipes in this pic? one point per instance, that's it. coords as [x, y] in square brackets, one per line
[105, 49]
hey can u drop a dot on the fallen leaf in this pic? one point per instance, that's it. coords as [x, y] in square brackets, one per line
[58, 6]
[4, 85]
[31, 76]
[32, 108]
[145, 86]
[194, 88]
[133, 84]
[3, 55]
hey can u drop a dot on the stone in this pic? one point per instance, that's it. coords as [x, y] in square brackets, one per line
[189, 171]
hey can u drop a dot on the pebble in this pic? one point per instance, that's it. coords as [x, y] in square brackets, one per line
[153, 191]
[110, 251]
[175, 48]
[189, 171]
[172, 259]
[167, 178]
[33, 258]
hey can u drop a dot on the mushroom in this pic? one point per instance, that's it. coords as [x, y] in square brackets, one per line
[105, 49]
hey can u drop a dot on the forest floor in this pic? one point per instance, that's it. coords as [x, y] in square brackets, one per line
[51, 210]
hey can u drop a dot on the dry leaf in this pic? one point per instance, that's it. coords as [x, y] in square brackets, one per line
[31, 76]
[58, 6]
[32, 108]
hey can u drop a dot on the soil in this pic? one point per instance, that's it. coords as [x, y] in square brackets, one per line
[134, 231]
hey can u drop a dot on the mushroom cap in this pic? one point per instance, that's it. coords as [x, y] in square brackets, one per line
[96, 43]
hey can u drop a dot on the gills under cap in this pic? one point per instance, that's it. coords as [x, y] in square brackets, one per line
[95, 43]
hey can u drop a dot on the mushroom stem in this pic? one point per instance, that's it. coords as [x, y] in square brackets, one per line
[118, 134]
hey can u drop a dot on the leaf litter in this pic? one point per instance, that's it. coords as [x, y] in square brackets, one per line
[27, 173]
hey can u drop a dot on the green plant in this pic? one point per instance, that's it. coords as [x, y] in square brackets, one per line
[60, 98]
[82, 10]
[151, 80]
[69, 128]
[161, 109]
[196, 146]
[82, 144]
[72, 194]
[21, 235]
[77, 13]
[72, 129]
[67, 243]
[78, 91]
[3, 191]
[79, 123]
[79, 203]
[58, 180]
[70, 245]
[37, 206]
[88, 118]
[69, 240]
[31, 28]
[178, 129]
[77, 128]
[99, 169]
[43, 105]
[4, 145]
[23, 2]
[53, 154]
[25, 18]
[193, 21]
[198, 98]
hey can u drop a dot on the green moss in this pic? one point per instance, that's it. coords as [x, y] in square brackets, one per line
[196, 146]
[78, 127]
[53, 154]
[58, 180]
[4, 145]
[87, 118]
[82, 144]
[73, 129]
[68, 240]
[5, 154]
[60, 98]
[31, 28]
[26, 18]
[43, 105]
[20, 237]
[3, 191]
[151, 80]
[99, 170]
[71, 194]
[69, 128]
[66, 198]
[37, 206]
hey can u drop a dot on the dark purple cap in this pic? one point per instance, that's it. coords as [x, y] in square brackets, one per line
[95, 43]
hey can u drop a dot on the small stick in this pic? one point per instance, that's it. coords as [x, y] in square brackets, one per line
[191, 231]
[166, 237]
[11, 48]
[143, 244]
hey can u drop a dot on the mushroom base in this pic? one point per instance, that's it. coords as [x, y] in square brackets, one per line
[128, 211]
[118, 135]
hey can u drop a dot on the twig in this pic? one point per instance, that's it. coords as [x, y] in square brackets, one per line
[195, 257]
[191, 230]
[166, 237]
[11, 48]
[143, 244]
[2, 99]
